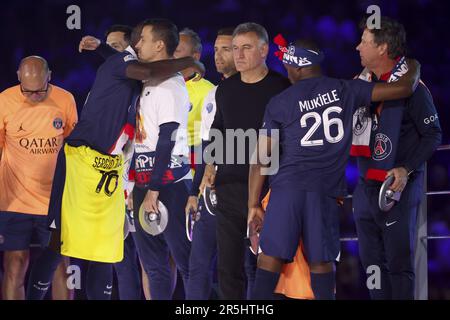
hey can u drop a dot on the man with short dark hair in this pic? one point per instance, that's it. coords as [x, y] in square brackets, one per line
[204, 243]
[128, 274]
[402, 139]
[118, 37]
[162, 170]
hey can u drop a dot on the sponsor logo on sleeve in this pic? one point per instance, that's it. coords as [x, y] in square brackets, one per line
[129, 57]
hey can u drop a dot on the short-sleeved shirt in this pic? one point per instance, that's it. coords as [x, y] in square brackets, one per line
[102, 124]
[197, 91]
[208, 113]
[314, 121]
[164, 103]
[30, 137]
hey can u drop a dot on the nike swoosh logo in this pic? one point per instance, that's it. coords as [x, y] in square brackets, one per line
[43, 284]
[390, 224]
[108, 287]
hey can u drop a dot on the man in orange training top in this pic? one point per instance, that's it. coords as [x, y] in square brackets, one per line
[35, 117]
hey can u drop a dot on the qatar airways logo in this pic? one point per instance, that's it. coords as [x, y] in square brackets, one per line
[41, 145]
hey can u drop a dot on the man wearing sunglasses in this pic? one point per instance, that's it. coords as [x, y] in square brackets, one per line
[35, 117]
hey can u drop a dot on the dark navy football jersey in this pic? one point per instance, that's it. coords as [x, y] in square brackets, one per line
[314, 118]
[103, 121]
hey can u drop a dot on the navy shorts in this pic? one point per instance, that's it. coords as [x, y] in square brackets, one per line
[293, 214]
[18, 231]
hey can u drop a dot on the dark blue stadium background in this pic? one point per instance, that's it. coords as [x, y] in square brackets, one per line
[39, 27]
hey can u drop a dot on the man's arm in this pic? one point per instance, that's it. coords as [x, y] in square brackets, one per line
[160, 70]
[105, 51]
[90, 43]
[163, 154]
[198, 176]
[423, 114]
[400, 89]
[256, 179]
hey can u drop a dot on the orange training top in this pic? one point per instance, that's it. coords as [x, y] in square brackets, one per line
[31, 135]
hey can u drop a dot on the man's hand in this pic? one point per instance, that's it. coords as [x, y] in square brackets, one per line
[198, 68]
[256, 216]
[209, 178]
[192, 204]
[151, 201]
[400, 178]
[88, 43]
[130, 202]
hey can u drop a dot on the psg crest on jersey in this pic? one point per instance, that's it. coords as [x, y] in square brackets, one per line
[209, 107]
[361, 121]
[291, 50]
[382, 147]
[57, 123]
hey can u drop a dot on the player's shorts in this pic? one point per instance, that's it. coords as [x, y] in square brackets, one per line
[293, 214]
[19, 230]
[295, 278]
[87, 204]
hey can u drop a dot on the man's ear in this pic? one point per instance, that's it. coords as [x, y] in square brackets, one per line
[264, 50]
[383, 49]
[197, 56]
[18, 75]
[49, 76]
[160, 45]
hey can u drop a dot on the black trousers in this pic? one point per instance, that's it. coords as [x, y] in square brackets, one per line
[386, 239]
[231, 231]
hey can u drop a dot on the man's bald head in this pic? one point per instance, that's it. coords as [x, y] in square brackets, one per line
[33, 66]
[33, 75]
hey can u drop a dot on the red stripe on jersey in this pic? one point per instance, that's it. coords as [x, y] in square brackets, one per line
[131, 175]
[360, 151]
[121, 140]
[193, 160]
[376, 174]
[129, 131]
